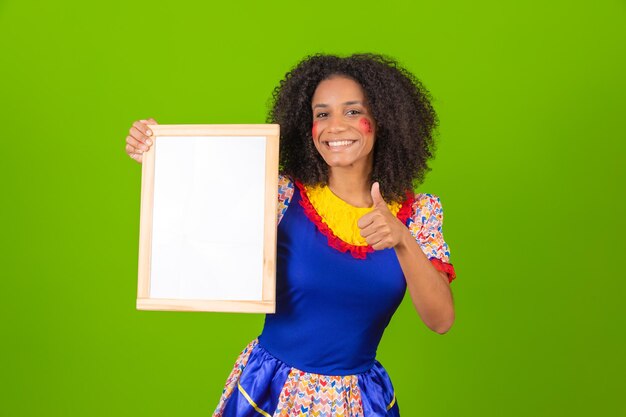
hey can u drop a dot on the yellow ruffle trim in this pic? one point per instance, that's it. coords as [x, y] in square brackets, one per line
[340, 216]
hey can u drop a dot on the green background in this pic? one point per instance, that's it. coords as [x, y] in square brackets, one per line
[530, 170]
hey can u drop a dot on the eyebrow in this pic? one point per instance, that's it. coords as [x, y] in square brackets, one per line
[347, 103]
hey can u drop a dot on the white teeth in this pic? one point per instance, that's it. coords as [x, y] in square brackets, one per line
[340, 143]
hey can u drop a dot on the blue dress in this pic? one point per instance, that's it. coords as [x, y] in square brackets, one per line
[317, 354]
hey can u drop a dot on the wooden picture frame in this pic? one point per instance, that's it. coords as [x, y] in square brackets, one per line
[208, 219]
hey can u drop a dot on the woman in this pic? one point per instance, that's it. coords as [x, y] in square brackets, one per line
[356, 135]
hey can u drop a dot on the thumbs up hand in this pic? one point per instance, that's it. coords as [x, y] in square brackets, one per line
[380, 228]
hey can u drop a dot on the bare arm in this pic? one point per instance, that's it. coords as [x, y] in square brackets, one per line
[428, 287]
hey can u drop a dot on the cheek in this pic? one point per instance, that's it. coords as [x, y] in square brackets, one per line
[314, 130]
[365, 125]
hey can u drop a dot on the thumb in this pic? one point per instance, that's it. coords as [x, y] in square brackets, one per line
[377, 198]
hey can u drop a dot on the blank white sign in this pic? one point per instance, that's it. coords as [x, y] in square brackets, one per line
[208, 219]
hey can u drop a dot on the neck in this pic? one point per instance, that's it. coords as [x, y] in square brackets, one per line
[352, 186]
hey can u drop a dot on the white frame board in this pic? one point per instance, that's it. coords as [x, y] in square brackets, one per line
[208, 219]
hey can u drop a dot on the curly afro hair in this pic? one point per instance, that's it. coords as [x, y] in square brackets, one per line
[399, 103]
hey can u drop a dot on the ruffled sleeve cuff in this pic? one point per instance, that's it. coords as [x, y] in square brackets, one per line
[446, 267]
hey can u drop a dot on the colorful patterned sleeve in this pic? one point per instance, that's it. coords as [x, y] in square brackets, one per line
[285, 192]
[425, 224]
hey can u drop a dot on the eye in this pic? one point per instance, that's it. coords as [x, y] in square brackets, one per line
[353, 112]
[321, 115]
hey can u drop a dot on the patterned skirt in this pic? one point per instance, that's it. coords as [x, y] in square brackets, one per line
[262, 385]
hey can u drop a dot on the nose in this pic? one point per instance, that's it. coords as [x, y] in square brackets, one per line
[336, 125]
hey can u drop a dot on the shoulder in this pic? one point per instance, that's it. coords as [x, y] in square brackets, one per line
[285, 193]
[426, 208]
[426, 219]
[285, 188]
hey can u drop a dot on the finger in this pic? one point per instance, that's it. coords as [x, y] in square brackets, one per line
[142, 128]
[367, 232]
[132, 152]
[383, 244]
[151, 121]
[376, 230]
[366, 220]
[377, 240]
[142, 125]
[377, 197]
[137, 157]
[137, 135]
[136, 144]
[370, 230]
[380, 240]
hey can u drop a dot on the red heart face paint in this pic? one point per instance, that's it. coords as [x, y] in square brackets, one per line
[314, 130]
[365, 125]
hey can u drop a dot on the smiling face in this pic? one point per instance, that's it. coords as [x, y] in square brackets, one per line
[343, 128]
